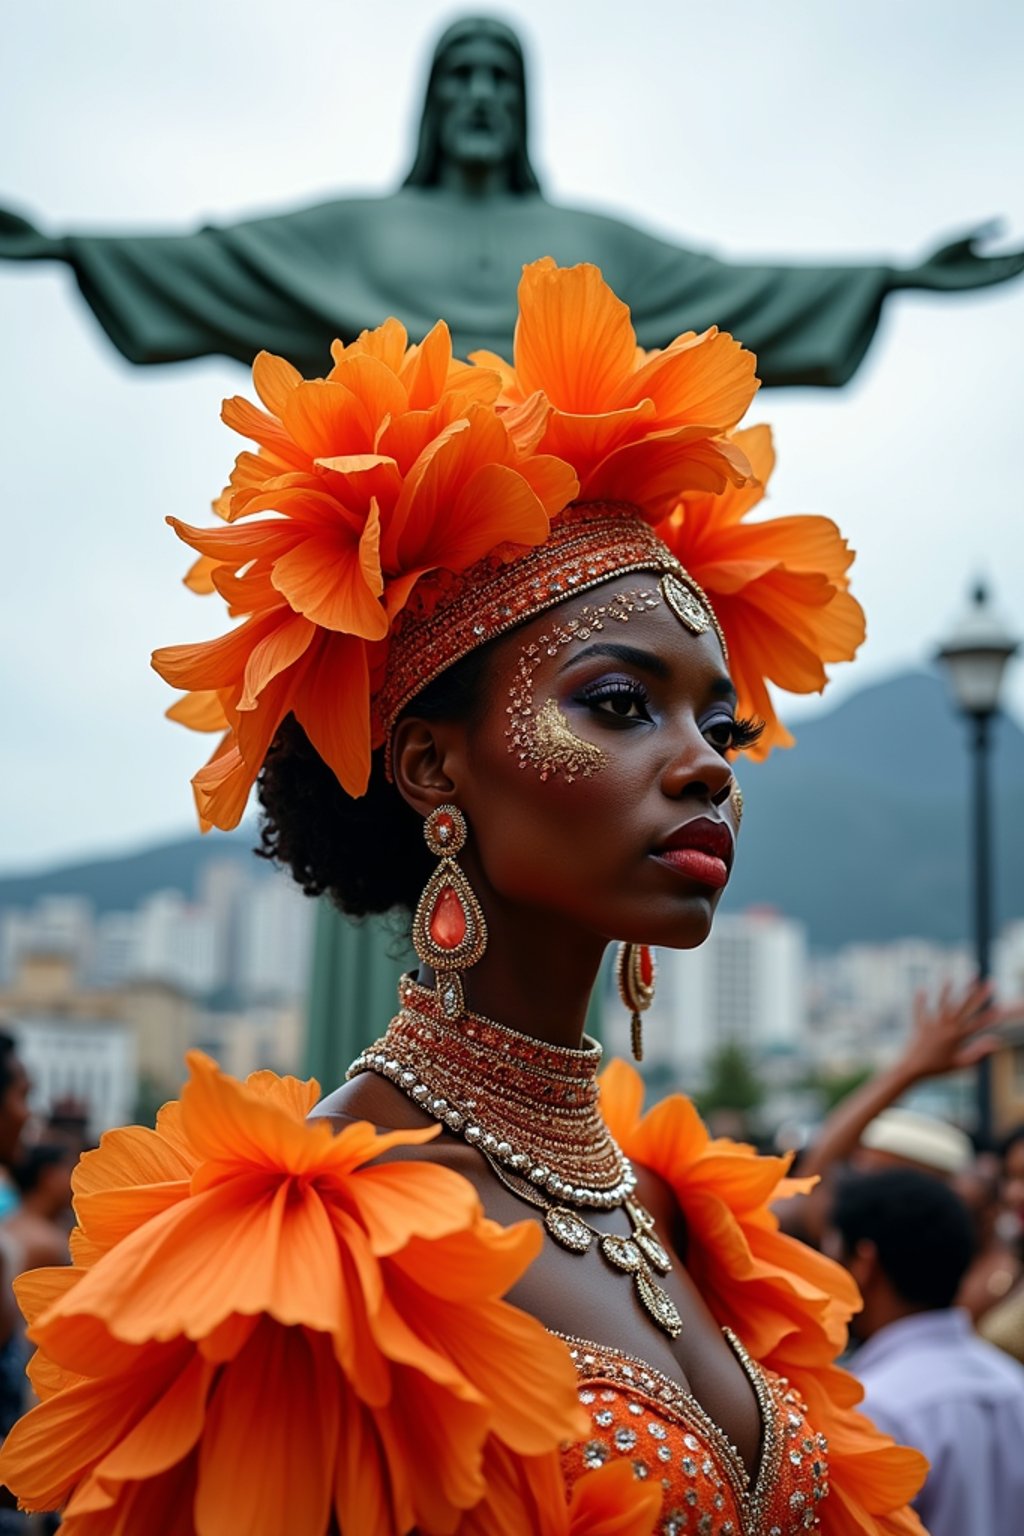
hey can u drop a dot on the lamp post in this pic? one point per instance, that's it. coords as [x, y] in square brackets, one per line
[974, 658]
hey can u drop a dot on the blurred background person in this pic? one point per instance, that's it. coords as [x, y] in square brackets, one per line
[867, 1130]
[906, 1238]
[14, 1117]
[38, 1226]
[1003, 1322]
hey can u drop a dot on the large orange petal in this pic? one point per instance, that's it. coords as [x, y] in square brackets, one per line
[201, 711]
[199, 576]
[273, 655]
[326, 419]
[212, 664]
[652, 473]
[164, 1436]
[707, 379]
[159, 1506]
[295, 1095]
[586, 441]
[574, 338]
[395, 1200]
[274, 379]
[333, 708]
[221, 787]
[55, 1444]
[471, 383]
[325, 578]
[360, 478]
[247, 1427]
[434, 1443]
[36, 1290]
[387, 343]
[496, 506]
[250, 421]
[240, 542]
[376, 386]
[425, 370]
[362, 1488]
[612, 1502]
[552, 481]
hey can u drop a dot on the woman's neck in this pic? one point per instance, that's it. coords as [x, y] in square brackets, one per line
[536, 976]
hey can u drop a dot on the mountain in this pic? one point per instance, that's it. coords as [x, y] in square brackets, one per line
[861, 831]
[119, 883]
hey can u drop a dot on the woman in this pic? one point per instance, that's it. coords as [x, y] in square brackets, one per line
[477, 683]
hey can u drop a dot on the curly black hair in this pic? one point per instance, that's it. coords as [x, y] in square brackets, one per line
[367, 855]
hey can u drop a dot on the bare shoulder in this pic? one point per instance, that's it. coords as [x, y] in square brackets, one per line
[372, 1098]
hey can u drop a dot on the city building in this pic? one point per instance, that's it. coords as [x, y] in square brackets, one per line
[745, 987]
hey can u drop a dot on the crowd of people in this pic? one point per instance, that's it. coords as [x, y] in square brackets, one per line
[37, 1156]
[930, 1227]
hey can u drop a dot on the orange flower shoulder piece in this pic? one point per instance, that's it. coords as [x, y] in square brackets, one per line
[250, 1290]
[787, 1304]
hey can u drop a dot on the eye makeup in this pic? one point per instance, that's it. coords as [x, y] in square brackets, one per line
[543, 739]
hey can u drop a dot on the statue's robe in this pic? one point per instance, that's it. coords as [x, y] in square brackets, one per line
[292, 282]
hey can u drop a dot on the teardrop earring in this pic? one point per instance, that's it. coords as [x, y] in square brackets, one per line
[636, 975]
[448, 929]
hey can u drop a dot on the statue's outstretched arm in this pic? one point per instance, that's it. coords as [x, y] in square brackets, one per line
[20, 240]
[165, 298]
[962, 265]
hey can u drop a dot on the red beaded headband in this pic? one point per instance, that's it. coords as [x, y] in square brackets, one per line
[450, 615]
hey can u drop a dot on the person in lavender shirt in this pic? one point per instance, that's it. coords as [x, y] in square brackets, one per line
[929, 1380]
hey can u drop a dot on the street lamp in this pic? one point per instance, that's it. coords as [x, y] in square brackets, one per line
[974, 658]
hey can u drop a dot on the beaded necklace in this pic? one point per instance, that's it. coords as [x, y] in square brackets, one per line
[532, 1110]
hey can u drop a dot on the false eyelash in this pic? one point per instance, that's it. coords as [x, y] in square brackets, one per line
[746, 732]
[613, 688]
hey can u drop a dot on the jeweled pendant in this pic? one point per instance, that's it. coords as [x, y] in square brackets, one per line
[451, 995]
[447, 922]
[567, 1228]
[658, 1303]
[448, 930]
[622, 1252]
[653, 1252]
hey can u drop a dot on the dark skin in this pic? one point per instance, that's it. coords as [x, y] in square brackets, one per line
[561, 870]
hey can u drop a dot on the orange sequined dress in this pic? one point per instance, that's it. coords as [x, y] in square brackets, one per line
[638, 1414]
[268, 1330]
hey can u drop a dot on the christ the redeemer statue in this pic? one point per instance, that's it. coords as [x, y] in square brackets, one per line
[451, 241]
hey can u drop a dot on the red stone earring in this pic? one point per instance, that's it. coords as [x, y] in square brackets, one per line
[448, 930]
[635, 974]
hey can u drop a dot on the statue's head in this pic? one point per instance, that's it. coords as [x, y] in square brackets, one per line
[474, 116]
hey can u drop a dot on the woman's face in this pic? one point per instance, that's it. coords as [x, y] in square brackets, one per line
[596, 783]
[14, 1111]
[1013, 1178]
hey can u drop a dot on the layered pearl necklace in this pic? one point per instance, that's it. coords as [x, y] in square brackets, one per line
[532, 1110]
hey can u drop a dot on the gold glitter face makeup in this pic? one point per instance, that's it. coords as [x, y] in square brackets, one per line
[543, 738]
[557, 749]
[736, 799]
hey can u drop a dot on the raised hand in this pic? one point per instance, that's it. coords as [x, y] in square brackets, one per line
[953, 1032]
[961, 264]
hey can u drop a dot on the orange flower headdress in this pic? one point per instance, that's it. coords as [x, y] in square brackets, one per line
[418, 506]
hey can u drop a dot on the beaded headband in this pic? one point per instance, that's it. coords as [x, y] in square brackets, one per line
[590, 543]
[419, 506]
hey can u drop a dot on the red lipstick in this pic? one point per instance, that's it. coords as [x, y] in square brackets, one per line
[701, 850]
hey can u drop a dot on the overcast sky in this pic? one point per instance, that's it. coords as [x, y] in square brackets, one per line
[856, 129]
